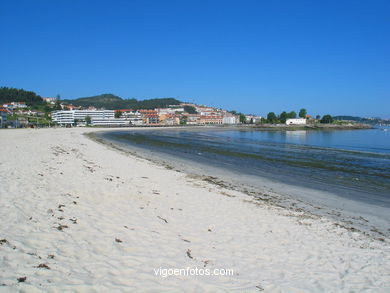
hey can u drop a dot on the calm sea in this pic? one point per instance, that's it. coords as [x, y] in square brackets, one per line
[350, 163]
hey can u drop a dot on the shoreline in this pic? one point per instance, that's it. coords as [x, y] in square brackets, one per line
[275, 193]
[105, 219]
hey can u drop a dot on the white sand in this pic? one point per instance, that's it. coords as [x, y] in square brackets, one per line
[165, 220]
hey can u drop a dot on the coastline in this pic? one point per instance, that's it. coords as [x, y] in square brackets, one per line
[373, 220]
[162, 218]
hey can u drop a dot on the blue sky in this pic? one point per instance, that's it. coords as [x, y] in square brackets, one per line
[251, 56]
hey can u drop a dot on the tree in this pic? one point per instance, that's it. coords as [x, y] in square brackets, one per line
[8, 95]
[327, 119]
[183, 120]
[283, 117]
[88, 120]
[318, 117]
[118, 114]
[271, 117]
[292, 114]
[302, 113]
[190, 109]
[57, 106]
[242, 118]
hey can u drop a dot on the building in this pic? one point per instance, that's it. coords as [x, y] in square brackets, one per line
[193, 119]
[3, 116]
[210, 120]
[252, 119]
[72, 117]
[133, 116]
[230, 119]
[15, 105]
[169, 119]
[150, 116]
[110, 122]
[296, 121]
[19, 105]
[50, 100]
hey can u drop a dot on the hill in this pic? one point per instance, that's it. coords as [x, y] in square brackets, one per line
[8, 95]
[361, 119]
[110, 101]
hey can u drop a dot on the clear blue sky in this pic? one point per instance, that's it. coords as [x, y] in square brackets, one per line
[252, 56]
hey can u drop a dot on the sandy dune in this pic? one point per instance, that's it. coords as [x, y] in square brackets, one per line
[77, 216]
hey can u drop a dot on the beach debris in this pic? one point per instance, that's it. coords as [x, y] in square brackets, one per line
[145, 177]
[61, 206]
[51, 256]
[206, 262]
[260, 288]
[60, 218]
[209, 230]
[118, 240]
[156, 192]
[189, 254]
[74, 221]
[3, 241]
[43, 266]
[185, 240]
[126, 227]
[62, 227]
[165, 220]
[74, 202]
[22, 279]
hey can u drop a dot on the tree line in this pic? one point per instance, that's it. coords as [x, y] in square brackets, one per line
[8, 95]
[282, 117]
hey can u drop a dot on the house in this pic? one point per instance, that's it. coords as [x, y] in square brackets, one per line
[150, 116]
[169, 119]
[3, 116]
[207, 120]
[50, 100]
[19, 104]
[296, 121]
[230, 119]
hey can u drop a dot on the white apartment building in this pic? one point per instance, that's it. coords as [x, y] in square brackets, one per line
[98, 117]
[229, 119]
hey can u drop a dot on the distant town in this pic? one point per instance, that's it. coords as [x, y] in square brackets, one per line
[51, 111]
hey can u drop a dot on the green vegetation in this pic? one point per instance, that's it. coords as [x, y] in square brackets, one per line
[109, 101]
[183, 120]
[327, 119]
[242, 118]
[373, 121]
[88, 120]
[302, 113]
[190, 110]
[118, 114]
[8, 95]
[271, 117]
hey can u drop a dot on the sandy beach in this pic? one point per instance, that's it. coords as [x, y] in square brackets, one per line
[80, 216]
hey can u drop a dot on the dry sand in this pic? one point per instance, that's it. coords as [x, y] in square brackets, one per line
[78, 216]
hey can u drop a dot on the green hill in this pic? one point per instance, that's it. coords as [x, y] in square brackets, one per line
[110, 101]
[375, 120]
[8, 95]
